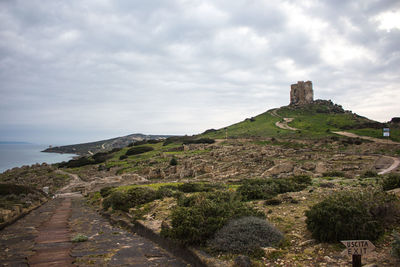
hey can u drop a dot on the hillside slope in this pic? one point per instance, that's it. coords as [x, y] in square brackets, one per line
[316, 120]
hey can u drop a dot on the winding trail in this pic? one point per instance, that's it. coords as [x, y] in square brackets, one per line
[393, 166]
[283, 124]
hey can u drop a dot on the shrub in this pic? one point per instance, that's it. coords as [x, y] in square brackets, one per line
[270, 187]
[79, 238]
[199, 141]
[106, 191]
[118, 200]
[166, 191]
[75, 163]
[173, 162]
[138, 150]
[122, 157]
[368, 174]
[198, 217]
[352, 215]
[391, 181]
[198, 187]
[9, 189]
[101, 157]
[333, 174]
[246, 235]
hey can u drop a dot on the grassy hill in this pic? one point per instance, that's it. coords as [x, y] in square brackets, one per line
[315, 120]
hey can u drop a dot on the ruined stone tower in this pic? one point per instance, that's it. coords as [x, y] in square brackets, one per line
[301, 93]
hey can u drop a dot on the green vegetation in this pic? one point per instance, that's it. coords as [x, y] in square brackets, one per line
[246, 235]
[313, 121]
[79, 238]
[196, 218]
[333, 174]
[8, 189]
[173, 162]
[391, 181]
[270, 187]
[349, 215]
[138, 150]
[133, 197]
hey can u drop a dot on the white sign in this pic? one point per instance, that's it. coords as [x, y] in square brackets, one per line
[357, 247]
[386, 134]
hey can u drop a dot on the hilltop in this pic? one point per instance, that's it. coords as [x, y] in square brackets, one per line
[319, 119]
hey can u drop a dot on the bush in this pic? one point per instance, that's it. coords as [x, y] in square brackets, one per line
[138, 150]
[391, 181]
[333, 174]
[245, 236]
[79, 238]
[270, 187]
[173, 162]
[106, 191]
[198, 187]
[101, 157]
[368, 174]
[75, 163]
[123, 201]
[350, 215]
[198, 217]
[200, 141]
[9, 189]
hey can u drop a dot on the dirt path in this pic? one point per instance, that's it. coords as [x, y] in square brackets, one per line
[376, 140]
[283, 124]
[391, 167]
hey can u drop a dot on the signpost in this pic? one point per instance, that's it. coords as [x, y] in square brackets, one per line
[386, 132]
[357, 248]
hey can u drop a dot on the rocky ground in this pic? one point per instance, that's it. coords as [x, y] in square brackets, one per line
[334, 163]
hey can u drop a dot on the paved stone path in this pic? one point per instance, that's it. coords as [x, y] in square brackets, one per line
[53, 243]
[42, 238]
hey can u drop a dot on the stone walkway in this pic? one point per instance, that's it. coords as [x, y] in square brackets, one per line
[53, 243]
[42, 238]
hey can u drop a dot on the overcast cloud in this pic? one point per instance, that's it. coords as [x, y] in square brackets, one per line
[77, 71]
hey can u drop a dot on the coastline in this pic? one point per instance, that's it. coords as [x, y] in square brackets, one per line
[19, 155]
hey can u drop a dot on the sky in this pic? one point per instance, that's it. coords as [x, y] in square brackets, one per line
[78, 71]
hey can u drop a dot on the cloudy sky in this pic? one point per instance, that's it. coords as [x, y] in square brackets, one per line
[77, 71]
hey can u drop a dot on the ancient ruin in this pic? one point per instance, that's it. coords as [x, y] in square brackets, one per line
[301, 93]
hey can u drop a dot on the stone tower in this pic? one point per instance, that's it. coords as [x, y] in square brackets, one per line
[301, 93]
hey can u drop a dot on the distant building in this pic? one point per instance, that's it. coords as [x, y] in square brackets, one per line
[301, 93]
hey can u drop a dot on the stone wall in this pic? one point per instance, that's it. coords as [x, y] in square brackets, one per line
[301, 93]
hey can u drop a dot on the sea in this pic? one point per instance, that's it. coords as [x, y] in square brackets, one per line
[20, 154]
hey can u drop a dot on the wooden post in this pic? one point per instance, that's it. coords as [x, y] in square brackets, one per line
[356, 260]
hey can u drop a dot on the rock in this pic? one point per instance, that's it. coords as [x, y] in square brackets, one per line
[371, 265]
[328, 259]
[283, 167]
[242, 261]
[320, 167]
[309, 166]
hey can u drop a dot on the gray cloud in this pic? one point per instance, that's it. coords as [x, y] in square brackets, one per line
[73, 70]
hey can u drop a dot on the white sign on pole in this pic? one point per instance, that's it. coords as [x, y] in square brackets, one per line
[357, 247]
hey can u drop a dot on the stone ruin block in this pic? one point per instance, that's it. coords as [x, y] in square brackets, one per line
[301, 93]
